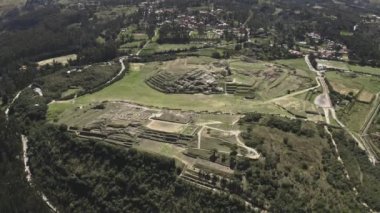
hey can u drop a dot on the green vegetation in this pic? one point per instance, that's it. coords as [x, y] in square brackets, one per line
[71, 92]
[132, 87]
[67, 83]
[346, 33]
[92, 173]
[371, 84]
[29, 107]
[356, 116]
[15, 194]
[353, 67]
[110, 13]
[364, 175]
[294, 154]
[153, 48]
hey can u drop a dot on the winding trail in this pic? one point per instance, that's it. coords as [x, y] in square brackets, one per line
[252, 153]
[121, 61]
[13, 101]
[25, 141]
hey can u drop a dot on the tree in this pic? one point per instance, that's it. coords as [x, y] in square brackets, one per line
[5, 100]
[216, 55]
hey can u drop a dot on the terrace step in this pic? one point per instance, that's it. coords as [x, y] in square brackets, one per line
[198, 182]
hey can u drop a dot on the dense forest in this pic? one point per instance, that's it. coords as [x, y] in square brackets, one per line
[53, 31]
[84, 175]
[15, 194]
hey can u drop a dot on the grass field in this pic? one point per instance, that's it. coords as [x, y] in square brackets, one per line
[356, 116]
[133, 88]
[371, 84]
[299, 64]
[215, 143]
[153, 48]
[299, 107]
[164, 149]
[351, 67]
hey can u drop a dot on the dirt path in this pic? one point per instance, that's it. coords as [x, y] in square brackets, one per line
[121, 61]
[38, 91]
[146, 44]
[204, 125]
[311, 68]
[13, 101]
[291, 95]
[252, 153]
[25, 141]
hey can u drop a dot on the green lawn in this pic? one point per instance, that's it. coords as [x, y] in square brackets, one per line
[133, 88]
